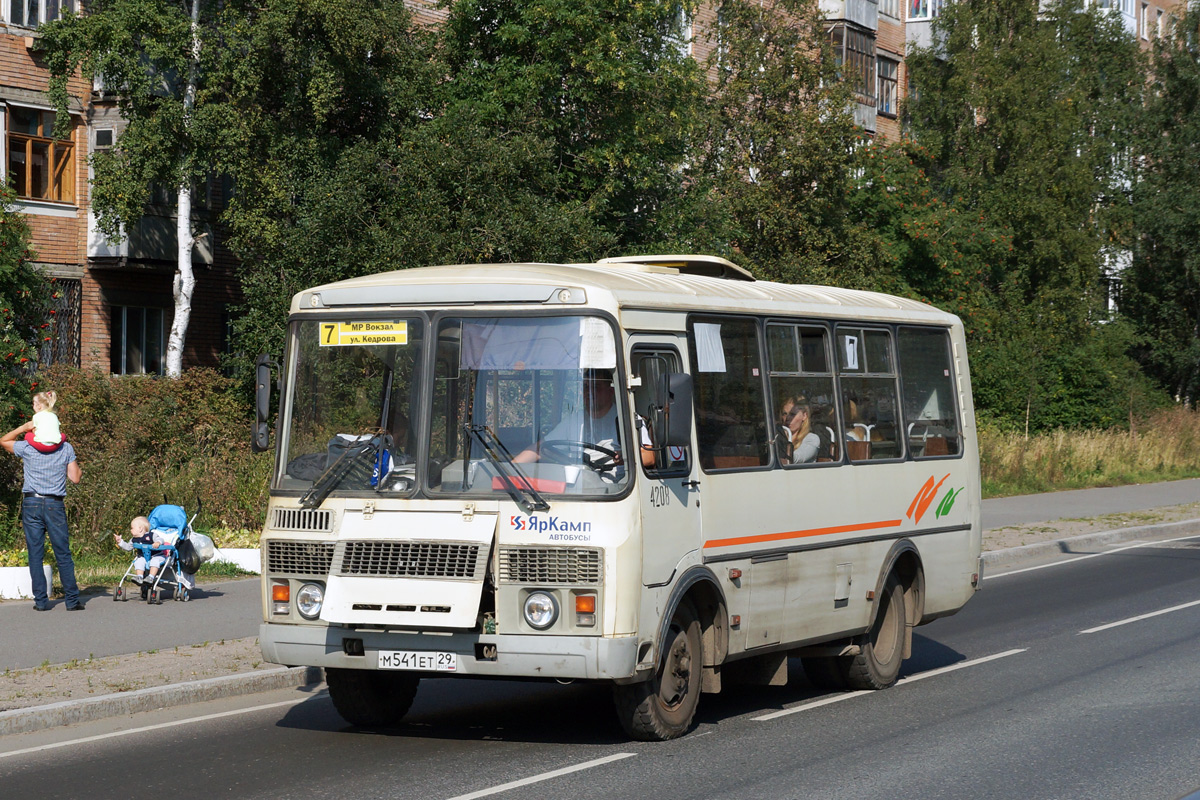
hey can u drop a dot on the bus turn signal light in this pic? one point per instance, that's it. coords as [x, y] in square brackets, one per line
[585, 610]
[281, 597]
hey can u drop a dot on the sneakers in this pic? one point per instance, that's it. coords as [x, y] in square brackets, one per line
[136, 579]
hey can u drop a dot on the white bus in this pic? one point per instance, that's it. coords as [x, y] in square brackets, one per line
[652, 471]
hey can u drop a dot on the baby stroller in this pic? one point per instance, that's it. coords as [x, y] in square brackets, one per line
[174, 573]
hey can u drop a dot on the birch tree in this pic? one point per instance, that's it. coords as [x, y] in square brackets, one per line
[148, 54]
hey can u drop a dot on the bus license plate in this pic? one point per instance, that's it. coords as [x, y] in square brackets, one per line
[418, 660]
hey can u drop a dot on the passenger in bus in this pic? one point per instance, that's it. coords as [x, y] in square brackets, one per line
[598, 425]
[796, 418]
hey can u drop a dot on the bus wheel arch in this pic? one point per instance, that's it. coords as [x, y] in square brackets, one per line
[690, 644]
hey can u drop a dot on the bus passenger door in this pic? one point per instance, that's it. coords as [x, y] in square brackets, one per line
[670, 512]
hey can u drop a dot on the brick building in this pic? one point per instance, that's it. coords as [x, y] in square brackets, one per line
[115, 303]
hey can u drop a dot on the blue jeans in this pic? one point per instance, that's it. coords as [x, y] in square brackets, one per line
[41, 516]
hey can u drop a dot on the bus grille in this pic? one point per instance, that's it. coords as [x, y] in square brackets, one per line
[299, 558]
[549, 565]
[303, 519]
[454, 560]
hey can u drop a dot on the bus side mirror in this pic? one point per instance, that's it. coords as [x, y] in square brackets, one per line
[674, 428]
[261, 440]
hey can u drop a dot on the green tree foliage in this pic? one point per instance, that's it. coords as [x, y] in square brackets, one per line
[1027, 115]
[780, 148]
[1162, 286]
[607, 84]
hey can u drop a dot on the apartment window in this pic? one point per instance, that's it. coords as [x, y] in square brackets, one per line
[888, 86]
[924, 9]
[31, 13]
[854, 49]
[1158, 23]
[138, 340]
[890, 8]
[1144, 21]
[679, 35]
[40, 167]
[104, 139]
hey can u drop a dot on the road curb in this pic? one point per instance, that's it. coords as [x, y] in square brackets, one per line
[70, 712]
[1013, 556]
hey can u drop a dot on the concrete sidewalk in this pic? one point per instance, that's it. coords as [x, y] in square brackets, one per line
[232, 609]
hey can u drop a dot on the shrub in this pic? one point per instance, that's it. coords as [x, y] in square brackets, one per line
[139, 439]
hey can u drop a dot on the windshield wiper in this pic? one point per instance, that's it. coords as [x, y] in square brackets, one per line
[521, 489]
[335, 472]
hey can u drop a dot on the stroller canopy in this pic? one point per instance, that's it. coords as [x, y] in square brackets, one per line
[168, 518]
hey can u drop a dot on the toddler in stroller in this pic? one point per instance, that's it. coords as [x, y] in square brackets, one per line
[158, 541]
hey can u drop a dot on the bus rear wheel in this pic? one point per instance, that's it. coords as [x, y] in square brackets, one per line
[663, 707]
[369, 699]
[881, 650]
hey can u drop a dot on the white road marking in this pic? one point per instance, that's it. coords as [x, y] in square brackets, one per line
[545, 776]
[145, 728]
[1099, 628]
[911, 678]
[1134, 546]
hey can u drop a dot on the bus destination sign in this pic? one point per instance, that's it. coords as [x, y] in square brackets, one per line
[373, 332]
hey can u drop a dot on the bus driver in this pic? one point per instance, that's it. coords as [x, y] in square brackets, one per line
[598, 425]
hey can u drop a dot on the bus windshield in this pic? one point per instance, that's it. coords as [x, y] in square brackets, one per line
[354, 386]
[529, 404]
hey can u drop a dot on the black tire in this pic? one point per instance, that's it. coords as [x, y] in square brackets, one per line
[882, 648]
[119, 593]
[155, 597]
[664, 707]
[369, 699]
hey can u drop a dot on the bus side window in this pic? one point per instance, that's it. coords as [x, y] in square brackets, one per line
[802, 391]
[930, 402]
[730, 426]
[870, 411]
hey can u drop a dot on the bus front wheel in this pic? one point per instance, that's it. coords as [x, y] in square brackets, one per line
[663, 707]
[370, 699]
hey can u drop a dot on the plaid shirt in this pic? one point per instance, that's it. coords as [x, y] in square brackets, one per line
[45, 473]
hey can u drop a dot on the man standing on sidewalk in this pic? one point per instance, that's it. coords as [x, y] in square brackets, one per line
[43, 512]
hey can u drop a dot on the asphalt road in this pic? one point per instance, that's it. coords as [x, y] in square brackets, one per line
[1074, 680]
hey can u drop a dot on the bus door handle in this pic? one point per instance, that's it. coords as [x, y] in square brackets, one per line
[691, 484]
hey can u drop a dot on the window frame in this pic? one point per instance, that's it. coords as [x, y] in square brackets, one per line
[119, 339]
[855, 52]
[60, 168]
[906, 379]
[767, 462]
[773, 376]
[45, 11]
[883, 96]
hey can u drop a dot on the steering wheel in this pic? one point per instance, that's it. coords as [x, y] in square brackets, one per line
[568, 451]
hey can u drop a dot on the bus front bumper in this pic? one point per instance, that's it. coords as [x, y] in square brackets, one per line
[481, 655]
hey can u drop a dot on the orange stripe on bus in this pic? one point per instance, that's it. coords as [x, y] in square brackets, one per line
[775, 537]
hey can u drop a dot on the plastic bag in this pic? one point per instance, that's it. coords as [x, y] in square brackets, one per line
[203, 547]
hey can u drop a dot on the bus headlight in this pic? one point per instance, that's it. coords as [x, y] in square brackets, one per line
[541, 610]
[309, 600]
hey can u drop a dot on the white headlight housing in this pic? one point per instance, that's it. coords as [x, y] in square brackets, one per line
[309, 600]
[540, 610]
